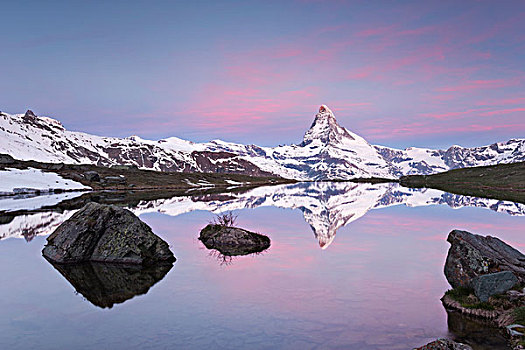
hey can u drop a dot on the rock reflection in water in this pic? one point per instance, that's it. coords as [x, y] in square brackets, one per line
[107, 284]
[476, 333]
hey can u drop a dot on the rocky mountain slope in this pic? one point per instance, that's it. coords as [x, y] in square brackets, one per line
[328, 151]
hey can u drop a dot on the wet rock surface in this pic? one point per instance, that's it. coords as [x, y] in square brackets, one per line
[232, 241]
[444, 344]
[493, 283]
[479, 334]
[472, 255]
[107, 284]
[106, 233]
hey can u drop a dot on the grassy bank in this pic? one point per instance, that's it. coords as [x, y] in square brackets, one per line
[502, 181]
[127, 178]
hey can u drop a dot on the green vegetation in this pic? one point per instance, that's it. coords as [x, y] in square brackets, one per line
[519, 315]
[502, 181]
[465, 296]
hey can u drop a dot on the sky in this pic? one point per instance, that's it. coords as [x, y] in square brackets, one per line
[399, 73]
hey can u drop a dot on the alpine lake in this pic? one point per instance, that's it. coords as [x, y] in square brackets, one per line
[350, 266]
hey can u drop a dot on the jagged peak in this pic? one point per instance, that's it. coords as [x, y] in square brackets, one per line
[30, 114]
[325, 128]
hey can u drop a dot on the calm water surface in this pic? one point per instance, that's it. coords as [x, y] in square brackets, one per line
[350, 266]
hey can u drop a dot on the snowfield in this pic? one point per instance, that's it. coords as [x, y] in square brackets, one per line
[14, 181]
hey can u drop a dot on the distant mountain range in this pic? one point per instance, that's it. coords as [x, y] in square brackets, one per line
[326, 206]
[328, 152]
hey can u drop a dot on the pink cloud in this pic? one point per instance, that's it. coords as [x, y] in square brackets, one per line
[375, 31]
[448, 115]
[501, 102]
[502, 111]
[376, 130]
[479, 84]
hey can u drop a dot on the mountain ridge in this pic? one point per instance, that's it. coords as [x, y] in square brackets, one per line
[328, 151]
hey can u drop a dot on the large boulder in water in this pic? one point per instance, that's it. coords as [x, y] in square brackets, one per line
[472, 255]
[232, 241]
[106, 233]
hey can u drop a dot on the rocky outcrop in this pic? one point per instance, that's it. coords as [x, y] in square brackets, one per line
[232, 241]
[6, 159]
[107, 284]
[472, 255]
[479, 267]
[493, 283]
[106, 233]
[115, 180]
[92, 176]
[444, 344]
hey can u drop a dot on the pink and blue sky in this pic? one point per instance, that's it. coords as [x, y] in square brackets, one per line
[399, 73]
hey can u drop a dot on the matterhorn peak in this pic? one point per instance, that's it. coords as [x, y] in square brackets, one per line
[325, 110]
[325, 129]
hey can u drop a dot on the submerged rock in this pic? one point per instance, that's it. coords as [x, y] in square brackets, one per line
[106, 233]
[107, 284]
[232, 241]
[493, 283]
[472, 255]
[444, 344]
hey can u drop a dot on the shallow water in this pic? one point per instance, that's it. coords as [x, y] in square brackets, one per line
[351, 266]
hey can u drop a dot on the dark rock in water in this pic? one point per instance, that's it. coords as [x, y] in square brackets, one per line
[444, 344]
[493, 283]
[92, 176]
[107, 284]
[232, 241]
[6, 159]
[471, 255]
[106, 233]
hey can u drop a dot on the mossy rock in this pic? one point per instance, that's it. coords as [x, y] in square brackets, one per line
[106, 233]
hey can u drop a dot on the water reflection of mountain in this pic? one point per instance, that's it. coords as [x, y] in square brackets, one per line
[105, 284]
[326, 206]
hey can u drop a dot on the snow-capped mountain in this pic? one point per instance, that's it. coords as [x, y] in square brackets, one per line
[326, 206]
[29, 137]
[328, 151]
[424, 161]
